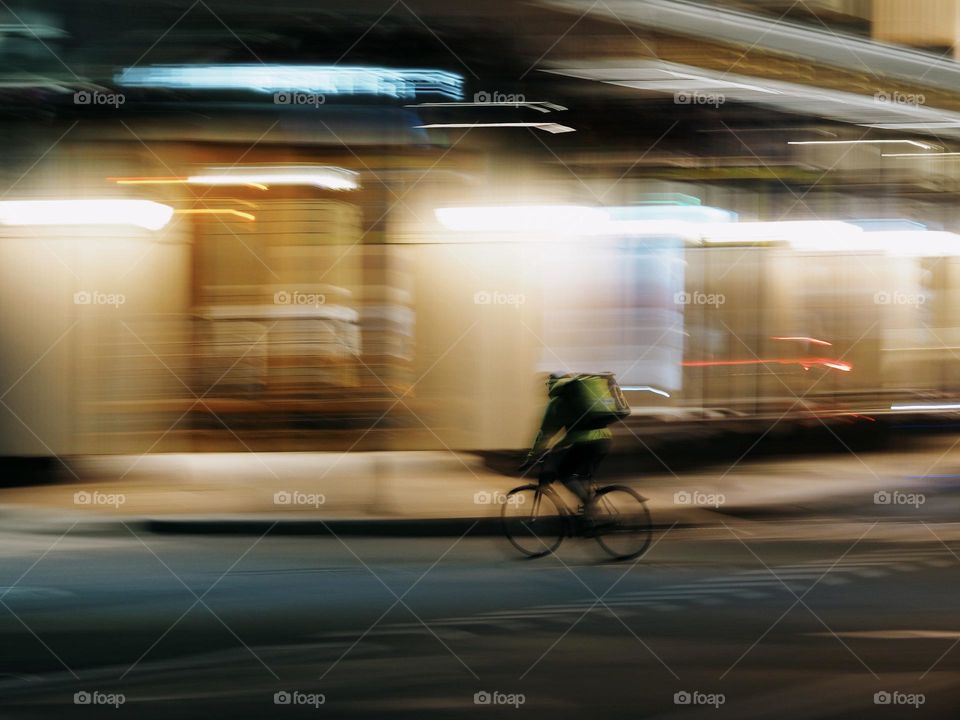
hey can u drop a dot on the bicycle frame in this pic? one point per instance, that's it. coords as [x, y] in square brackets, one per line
[548, 476]
[573, 524]
[568, 515]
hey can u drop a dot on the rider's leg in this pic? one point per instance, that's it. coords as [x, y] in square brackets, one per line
[580, 487]
[578, 464]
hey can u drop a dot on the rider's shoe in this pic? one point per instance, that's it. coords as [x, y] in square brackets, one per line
[586, 521]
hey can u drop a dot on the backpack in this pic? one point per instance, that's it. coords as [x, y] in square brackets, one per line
[595, 399]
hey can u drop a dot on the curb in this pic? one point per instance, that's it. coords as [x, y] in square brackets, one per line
[426, 527]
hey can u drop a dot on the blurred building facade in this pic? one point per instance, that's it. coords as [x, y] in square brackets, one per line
[304, 318]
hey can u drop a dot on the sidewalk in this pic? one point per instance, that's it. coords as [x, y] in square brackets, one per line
[431, 493]
[404, 493]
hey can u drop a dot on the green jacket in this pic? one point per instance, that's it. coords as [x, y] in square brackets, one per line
[560, 416]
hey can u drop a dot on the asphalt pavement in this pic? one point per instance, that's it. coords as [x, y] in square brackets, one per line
[787, 619]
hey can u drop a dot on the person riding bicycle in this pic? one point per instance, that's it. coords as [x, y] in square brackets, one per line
[582, 405]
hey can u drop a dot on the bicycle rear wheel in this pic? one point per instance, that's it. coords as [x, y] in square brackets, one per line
[532, 521]
[620, 521]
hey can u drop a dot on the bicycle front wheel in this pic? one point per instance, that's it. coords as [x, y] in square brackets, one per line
[532, 521]
[620, 521]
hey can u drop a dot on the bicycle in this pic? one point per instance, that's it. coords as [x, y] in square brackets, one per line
[536, 519]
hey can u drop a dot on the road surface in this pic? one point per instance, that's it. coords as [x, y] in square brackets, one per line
[800, 623]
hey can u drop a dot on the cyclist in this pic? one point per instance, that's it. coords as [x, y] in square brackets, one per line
[582, 406]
